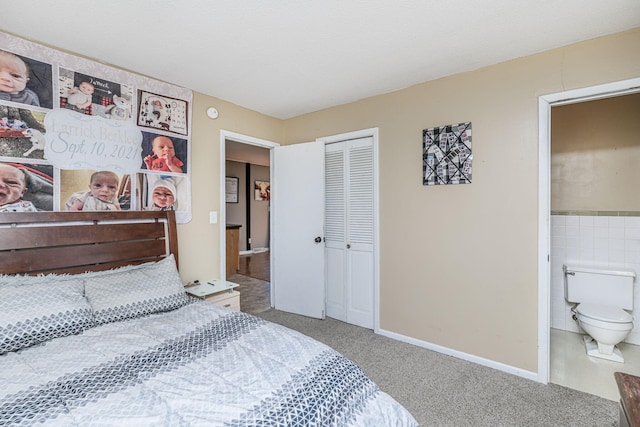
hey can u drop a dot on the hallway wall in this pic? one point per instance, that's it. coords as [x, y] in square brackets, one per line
[259, 210]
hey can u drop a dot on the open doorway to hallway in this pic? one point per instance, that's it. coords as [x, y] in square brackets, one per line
[247, 222]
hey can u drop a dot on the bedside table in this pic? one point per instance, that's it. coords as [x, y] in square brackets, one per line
[218, 292]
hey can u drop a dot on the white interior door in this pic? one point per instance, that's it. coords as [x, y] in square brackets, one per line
[350, 231]
[335, 231]
[297, 203]
[360, 255]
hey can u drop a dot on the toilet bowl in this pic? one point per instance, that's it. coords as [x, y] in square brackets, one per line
[606, 326]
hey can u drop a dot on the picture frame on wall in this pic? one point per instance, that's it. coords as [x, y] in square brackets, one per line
[262, 190]
[447, 155]
[231, 189]
[162, 112]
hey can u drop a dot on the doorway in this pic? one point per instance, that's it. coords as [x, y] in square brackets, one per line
[245, 218]
[544, 214]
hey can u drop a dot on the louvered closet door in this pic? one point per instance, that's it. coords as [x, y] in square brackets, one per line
[349, 238]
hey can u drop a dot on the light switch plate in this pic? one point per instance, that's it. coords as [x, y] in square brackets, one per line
[213, 217]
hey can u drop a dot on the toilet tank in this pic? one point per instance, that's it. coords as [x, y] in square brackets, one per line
[593, 284]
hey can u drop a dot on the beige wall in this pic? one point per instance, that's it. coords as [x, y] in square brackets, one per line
[236, 212]
[595, 155]
[259, 210]
[459, 263]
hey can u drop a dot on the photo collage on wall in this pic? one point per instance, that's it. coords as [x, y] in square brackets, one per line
[78, 135]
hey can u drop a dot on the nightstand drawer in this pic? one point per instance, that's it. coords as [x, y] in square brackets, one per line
[226, 299]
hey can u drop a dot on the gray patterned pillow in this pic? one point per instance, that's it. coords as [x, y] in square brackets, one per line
[135, 293]
[34, 313]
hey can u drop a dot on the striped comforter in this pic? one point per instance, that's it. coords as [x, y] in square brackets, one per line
[198, 365]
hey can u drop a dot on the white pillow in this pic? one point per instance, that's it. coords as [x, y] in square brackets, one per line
[37, 312]
[131, 293]
[18, 279]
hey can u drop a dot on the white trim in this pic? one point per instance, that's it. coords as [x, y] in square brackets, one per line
[244, 139]
[544, 138]
[545, 102]
[365, 133]
[461, 355]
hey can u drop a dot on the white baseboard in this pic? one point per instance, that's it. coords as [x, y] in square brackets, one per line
[461, 355]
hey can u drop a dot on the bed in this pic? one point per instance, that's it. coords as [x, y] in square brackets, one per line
[96, 329]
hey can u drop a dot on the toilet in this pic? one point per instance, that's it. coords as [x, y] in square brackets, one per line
[602, 297]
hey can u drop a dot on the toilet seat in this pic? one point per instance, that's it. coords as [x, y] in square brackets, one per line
[604, 313]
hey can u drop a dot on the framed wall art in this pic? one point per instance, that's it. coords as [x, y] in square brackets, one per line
[162, 112]
[231, 189]
[262, 190]
[446, 154]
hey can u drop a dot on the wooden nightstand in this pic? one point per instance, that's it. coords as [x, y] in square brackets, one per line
[218, 292]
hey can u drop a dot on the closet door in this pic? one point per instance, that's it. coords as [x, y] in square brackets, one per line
[335, 230]
[349, 237]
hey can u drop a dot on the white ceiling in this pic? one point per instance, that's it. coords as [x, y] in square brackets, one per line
[284, 58]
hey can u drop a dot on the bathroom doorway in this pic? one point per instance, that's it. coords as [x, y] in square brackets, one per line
[562, 358]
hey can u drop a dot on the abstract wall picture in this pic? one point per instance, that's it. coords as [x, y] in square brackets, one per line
[446, 154]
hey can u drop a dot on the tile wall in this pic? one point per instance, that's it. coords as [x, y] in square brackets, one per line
[608, 239]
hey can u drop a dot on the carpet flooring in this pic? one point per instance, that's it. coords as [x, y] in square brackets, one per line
[441, 390]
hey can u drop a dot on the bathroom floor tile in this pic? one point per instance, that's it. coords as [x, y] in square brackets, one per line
[572, 368]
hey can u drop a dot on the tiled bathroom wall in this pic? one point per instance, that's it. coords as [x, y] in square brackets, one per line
[609, 239]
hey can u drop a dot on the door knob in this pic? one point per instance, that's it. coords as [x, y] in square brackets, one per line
[348, 245]
[318, 239]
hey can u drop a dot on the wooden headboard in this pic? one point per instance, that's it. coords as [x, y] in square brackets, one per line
[75, 242]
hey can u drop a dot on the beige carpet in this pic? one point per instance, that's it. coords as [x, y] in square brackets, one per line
[254, 293]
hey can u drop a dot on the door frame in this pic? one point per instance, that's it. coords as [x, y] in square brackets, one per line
[243, 139]
[365, 133]
[545, 102]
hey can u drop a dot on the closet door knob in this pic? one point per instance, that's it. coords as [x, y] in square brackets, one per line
[318, 239]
